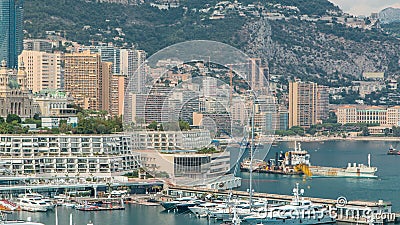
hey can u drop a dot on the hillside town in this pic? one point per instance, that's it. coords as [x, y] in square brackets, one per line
[101, 123]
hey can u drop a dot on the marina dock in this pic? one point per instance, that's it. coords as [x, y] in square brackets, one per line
[346, 214]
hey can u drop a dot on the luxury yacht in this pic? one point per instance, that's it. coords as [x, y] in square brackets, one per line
[299, 211]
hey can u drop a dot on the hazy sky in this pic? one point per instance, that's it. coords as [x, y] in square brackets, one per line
[365, 7]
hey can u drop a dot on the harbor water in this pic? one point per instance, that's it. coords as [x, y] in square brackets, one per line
[338, 154]
[328, 153]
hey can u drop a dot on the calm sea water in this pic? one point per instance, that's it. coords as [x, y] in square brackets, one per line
[328, 153]
[338, 154]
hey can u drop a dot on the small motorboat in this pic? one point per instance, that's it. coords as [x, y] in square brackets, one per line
[393, 151]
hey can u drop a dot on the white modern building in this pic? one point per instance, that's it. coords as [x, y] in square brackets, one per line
[68, 155]
[54, 122]
[164, 140]
[191, 168]
[53, 103]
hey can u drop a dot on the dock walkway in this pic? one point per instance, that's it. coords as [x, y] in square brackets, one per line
[356, 207]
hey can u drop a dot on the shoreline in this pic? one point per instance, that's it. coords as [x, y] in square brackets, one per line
[321, 139]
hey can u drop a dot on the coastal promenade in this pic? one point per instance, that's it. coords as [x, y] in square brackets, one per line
[10, 187]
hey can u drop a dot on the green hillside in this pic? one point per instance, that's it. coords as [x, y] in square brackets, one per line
[313, 49]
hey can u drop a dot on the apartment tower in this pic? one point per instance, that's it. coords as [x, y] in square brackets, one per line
[308, 103]
[83, 79]
[43, 70]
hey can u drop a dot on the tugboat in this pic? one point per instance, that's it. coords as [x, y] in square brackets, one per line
[393, 151]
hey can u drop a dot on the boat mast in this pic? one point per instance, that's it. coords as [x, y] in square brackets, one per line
[369, 160]
[56, 216]
[252, 156]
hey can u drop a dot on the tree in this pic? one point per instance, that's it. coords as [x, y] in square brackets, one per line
[365, 131]
[183, 125]
[13, 117]
[2, 120]
[312, 130]
[36, 116]
[396, 131]
[152, 126]
[332, 118]
[33, 121]
[387, 131]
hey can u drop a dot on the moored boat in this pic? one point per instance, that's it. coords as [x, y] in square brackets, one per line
[169, 205]
[353, 170]
[393, 151]
[299, 211]
[35, 202]
[202, 209]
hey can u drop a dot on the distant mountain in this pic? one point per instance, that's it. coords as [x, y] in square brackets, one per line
[389, 15]
[328, 53]
[301, 38]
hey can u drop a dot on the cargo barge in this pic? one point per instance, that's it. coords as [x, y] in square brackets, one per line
[297, 162]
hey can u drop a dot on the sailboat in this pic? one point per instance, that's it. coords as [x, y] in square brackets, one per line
[239, 209]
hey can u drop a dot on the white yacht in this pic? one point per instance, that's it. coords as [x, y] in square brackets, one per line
[202, 209]
[241, 207]
[35, 202]
[299, 211]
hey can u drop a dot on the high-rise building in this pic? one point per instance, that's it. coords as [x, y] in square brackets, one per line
[133, 67]
[107, 54]
[42, 45]
[43, 70]
[83, 78]
[11, 35]
[283, 119]
[256, 74]
[105, 85]
[210, 87]
[117, 91]
[308, 103]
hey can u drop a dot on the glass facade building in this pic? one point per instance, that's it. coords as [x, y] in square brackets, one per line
[11, 34]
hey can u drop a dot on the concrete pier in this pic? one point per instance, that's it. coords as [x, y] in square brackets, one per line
[351, 212]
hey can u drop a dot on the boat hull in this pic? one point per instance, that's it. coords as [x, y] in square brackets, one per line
[169, 205]
[340, 172]
[185, 206]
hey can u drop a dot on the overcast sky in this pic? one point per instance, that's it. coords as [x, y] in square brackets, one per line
[365, 7]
